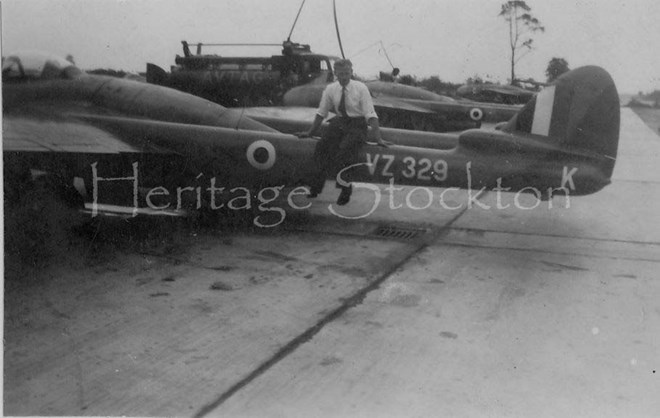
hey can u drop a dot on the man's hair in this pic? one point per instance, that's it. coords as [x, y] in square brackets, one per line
[343, 63]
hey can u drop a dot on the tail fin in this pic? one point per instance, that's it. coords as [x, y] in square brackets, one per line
[579, 112]
[156, 75]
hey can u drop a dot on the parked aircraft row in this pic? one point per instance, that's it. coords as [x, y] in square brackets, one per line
[298, 76]
[173, 150]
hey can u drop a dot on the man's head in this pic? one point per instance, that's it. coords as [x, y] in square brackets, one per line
[343, 71]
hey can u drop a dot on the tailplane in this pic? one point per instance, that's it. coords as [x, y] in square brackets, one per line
[579, 112]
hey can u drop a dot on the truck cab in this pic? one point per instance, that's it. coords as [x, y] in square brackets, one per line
[244, 81]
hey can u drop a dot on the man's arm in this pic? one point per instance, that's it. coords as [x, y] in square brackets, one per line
[375, 128]
[367, 108]
[321, 114]
[318, 119]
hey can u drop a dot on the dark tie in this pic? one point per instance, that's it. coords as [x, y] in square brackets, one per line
[342, 103]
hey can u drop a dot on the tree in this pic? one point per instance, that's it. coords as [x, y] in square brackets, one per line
[556, 67]
[521, 25]
[433, 84]
[436, 85]
[408, 79]
[475, 79]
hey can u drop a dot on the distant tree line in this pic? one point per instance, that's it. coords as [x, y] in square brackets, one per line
[107, 71]
[556, 67]
[432, 83]
[654, 95]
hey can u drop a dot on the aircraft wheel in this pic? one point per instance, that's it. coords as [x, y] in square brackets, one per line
[39, 220]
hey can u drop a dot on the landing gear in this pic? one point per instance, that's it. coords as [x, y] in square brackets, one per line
[40, 210]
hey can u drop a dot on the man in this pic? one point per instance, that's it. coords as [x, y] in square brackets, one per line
[351, 101]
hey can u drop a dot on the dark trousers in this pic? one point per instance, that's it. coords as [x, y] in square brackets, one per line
[337, 149]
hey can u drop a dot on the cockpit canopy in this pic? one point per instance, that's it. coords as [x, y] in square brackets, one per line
[34, 65]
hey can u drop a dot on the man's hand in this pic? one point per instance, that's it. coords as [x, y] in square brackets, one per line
[384, 144]
[381, 143]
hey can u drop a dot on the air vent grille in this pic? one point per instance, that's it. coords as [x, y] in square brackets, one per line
[397, 232]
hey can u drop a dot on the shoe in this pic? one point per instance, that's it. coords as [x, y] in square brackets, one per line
[345, 195]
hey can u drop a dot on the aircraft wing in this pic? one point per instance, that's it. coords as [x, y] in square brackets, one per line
[494, 88]
[83, 132]
[393, 103]
[519, 94]
[300, 113]
[23, 133]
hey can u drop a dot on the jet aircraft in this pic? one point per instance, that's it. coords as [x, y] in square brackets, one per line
[297, 78]
[495, 93]
[157, 149]
[410, 107]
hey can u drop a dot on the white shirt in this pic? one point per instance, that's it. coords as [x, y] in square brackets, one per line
[357, 99]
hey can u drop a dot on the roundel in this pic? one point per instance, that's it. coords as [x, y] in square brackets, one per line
[261, 154]
[476, 114]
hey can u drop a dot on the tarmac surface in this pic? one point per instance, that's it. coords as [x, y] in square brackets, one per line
[531, 309]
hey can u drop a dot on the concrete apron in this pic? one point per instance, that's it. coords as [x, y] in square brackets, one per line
[173, 333]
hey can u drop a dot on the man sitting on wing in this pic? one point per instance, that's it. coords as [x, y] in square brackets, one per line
[351, 101]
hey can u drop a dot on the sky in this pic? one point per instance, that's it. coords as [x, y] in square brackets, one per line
[451, 39]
